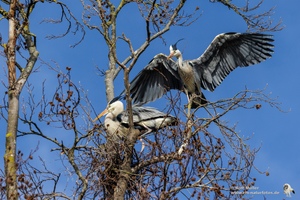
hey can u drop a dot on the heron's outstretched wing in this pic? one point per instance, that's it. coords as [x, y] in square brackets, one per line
[158, 77]
[228, 51]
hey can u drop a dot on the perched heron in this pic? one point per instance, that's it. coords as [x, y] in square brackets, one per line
[145, 119]
[287, 189]
[225, 53]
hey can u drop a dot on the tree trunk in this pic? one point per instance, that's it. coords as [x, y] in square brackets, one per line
[13, 109]
[10, 147]
[125, 169]
[14, 90]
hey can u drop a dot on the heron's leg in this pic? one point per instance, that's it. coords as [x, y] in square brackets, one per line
[149, 130]
[189, 104]
[142, 141]
[187, 94]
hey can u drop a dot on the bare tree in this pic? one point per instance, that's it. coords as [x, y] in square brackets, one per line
[147, 175]
[17, 28]
[255, 22]
[201, 157]
[18, 16]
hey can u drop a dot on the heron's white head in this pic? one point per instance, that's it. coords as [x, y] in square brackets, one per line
[174, 51]
[114, 107]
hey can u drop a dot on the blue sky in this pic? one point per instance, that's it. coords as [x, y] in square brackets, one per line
[275, 132]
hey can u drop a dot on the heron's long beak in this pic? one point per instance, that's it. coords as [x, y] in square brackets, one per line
[171, 54]
[101, 114]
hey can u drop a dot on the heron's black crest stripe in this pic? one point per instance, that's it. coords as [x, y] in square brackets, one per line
[174, 46]
[118, 98]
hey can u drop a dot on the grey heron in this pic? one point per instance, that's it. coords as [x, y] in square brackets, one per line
[145, 119]
[225, 53]
[287, 189]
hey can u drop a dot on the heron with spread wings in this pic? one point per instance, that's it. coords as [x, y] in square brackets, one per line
[225, 53]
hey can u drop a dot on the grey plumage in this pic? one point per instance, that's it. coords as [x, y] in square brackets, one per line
[158, 77]
[145, 119]
[225, 53]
